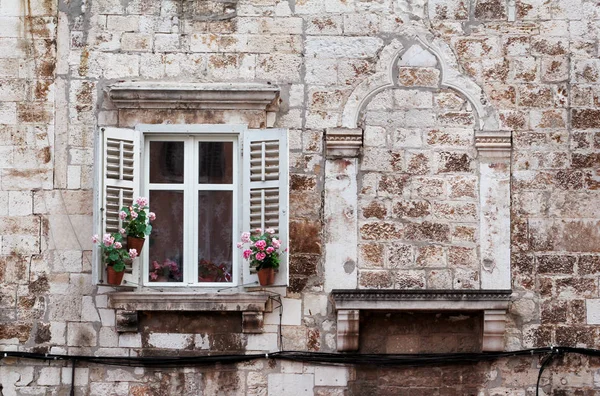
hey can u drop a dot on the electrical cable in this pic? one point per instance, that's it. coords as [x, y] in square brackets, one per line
[412, 360]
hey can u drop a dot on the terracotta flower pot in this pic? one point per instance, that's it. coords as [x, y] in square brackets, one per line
[135, 243]
[114, 277]
[266, 276]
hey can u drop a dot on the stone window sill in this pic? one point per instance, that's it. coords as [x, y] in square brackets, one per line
[493, 303]
[251, 305]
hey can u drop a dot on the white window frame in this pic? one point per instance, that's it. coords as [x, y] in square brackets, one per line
[191, 135]
[246, 143]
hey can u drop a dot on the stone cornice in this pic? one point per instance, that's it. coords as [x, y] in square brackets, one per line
[494, 143]
[343, 142]
[206, 96]
[421, 299]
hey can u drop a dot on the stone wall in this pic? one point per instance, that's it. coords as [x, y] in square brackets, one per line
[419, 190]
[537, 65]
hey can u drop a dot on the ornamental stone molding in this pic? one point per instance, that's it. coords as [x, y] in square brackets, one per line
[349, 303]
[451, 77]
[184, 96]
[494, 144]
[343, 142]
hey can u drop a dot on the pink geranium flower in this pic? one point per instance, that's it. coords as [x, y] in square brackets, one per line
[270, 231]
[134, 215]
[260, 256]
[260, 245]
[247, 253]
[270, 250]
[240, 245]
[95, 239]
[118, 245]
[108, 240]
[133, 253]
[276, 243]
[141, 201]
[245, 237]
[152, 216]
[122, 215]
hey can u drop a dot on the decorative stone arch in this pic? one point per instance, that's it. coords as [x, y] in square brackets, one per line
[494, 151]
[385, 78]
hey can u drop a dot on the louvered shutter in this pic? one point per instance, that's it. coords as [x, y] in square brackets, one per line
[265, 190]
[120, 175]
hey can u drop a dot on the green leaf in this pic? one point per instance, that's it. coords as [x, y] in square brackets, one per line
[148, 229]
[119, 267]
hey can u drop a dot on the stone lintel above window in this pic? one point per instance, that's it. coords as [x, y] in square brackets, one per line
[493, 303]
[208, 96]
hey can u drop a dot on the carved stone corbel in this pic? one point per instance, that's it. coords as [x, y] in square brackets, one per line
[126, 321]
[343, 142]
[347, 330]
[494, 324]
[252, 322]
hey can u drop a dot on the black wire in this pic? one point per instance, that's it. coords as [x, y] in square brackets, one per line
[413, 360]
[73, 377]
[545, 362]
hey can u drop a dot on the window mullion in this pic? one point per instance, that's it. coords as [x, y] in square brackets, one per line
[189, 211]
[193, 172]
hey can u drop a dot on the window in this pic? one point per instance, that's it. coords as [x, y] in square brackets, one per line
[206, 184]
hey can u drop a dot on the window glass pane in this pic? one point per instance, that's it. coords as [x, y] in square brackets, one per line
[166, 162]
[166, 239]
[215, 246]
[215, 162]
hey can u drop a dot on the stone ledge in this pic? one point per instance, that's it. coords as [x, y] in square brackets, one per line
[251, 305]
[436, 300]
[349, 303]
[208, 96]
[170, 301]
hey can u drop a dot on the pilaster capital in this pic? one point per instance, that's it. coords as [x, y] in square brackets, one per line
[343, 142]
[494, 144]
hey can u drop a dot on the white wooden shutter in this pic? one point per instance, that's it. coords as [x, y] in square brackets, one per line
[265, 191]
[120, 176]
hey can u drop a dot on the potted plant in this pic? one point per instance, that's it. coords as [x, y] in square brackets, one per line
[210, 272]
[165, 271]
[115, 256]
[263, 253]
[137, 223]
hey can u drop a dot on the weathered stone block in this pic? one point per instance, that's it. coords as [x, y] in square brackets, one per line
[342, 47]
[371, 255]
[375, 279]
[427, 231]
[409, 279]
[585, 118]
[399, 255]
[380, 231]
[413, 209]
[419, 77]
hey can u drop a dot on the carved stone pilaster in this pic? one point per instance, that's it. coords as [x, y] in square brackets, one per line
[252, 322]
[126, 321]
[347, 330]
[343, 142]
[494, 144]
[494, 324]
